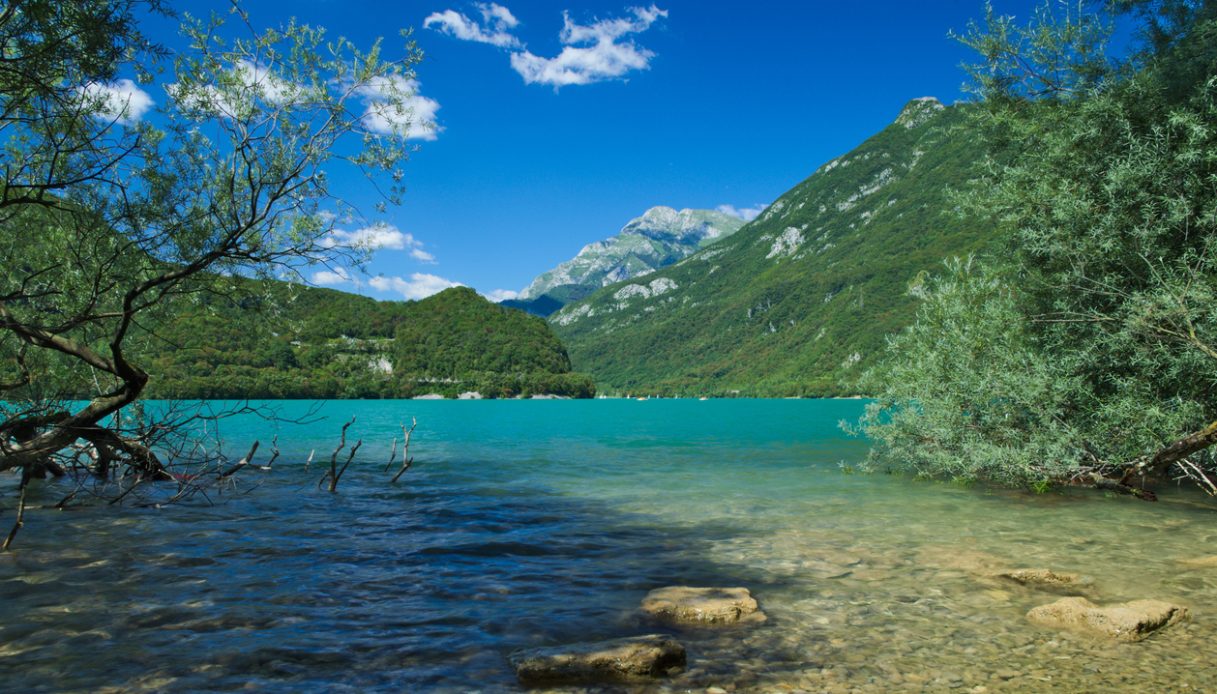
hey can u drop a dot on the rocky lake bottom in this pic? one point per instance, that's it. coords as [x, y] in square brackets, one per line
[525, 525]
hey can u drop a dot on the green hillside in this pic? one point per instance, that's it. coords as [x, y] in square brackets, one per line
[259, 339]
[799, 301]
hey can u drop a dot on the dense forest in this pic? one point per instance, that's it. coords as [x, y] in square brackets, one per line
[268, 339]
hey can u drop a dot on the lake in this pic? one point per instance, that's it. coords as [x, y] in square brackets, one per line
[537, 523]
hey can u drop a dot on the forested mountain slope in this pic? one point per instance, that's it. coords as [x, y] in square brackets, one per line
[798, 301]
[268, 339]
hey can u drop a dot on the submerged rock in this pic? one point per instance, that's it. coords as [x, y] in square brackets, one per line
[1046, 578]
[702, 606]
[1130, 621]
[1209, 562]
[615, 660]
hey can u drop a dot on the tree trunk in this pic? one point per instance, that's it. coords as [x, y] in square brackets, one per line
[1170, 454]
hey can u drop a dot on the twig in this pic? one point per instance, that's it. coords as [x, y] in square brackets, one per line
[1193, 472]
[274, 454]
[139, 477]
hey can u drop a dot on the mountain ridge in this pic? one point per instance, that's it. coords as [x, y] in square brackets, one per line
[799, 301]
[659, 237]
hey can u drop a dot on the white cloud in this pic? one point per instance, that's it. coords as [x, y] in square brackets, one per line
[377, 237]
[420, 285]
[329, 278]
[412, 116]
[592, 53]
[394, 105]
[497, 295]
[745, 213]
[245, 85]
[370, 238]
[492, 12]
[492, 29]
[121, 101]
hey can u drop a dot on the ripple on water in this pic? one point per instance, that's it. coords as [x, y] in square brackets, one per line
[503, 537]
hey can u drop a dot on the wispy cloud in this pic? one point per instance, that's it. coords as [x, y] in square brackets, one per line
[121, 101]
[420, 285]
[494, 27]
[745, 213]
[379, 236]
[395, 107]
[594, 52]
[497, 295]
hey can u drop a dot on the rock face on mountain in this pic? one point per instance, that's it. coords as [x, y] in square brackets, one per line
[798, 301]
[660, 237]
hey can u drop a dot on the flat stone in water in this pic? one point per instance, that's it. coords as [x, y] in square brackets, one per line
[702, 606]
[1130, 621]
[1209, 562]
[616, 660]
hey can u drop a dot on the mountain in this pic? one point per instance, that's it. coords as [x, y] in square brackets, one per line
[269, 339]
[799, 301]
[660, 237]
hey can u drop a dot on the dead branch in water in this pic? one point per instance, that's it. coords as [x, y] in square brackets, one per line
[392, 455]
[25, 484]
[333, 474]
[406, 460]
[335, 478]
[274, 453]
[240, 463]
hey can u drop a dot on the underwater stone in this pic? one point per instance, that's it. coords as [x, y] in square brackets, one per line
[1043, 577]
[616, 660]
[1130, 621]
[702, 606]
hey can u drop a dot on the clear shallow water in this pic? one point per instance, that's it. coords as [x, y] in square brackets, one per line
[541, 523]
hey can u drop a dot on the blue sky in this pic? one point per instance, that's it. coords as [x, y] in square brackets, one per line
[685, 103]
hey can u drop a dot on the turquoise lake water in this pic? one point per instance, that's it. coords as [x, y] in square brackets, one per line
[540, 523]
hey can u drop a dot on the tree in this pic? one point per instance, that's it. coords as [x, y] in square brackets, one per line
[109, 221]
[1102, 368]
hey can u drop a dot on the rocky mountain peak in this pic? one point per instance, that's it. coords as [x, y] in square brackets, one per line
[918, 111]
